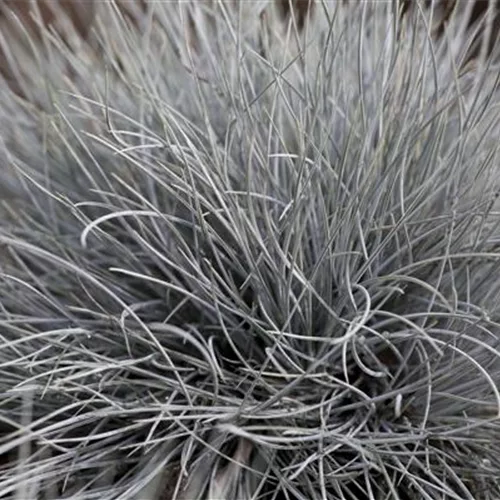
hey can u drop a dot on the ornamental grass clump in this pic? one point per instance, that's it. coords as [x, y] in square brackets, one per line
[234, 271]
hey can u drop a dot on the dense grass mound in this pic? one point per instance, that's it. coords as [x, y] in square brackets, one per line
[234, 275]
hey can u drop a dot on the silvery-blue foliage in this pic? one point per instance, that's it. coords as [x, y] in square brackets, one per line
[260, 266]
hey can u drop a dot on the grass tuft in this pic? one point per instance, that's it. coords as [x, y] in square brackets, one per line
[235, 271]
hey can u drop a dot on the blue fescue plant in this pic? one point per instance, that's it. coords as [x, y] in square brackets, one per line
[262, 264]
